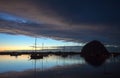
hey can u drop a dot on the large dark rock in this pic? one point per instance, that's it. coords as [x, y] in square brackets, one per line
[94, 47]
[94, 53]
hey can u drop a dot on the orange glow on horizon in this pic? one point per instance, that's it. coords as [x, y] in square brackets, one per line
[14, 48]
[10, 48]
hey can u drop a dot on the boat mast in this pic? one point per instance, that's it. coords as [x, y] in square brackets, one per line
[35, 43]
[42, 47]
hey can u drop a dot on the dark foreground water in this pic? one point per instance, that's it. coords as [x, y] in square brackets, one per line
[77, 66]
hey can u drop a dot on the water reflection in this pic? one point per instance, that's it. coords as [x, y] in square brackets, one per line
[25, 62]
[95, 59]
[35, 68]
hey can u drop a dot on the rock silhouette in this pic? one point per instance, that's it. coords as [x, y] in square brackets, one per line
[94, 53]
[94, 47]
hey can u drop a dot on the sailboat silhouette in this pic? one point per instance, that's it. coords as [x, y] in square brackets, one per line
[36, 55]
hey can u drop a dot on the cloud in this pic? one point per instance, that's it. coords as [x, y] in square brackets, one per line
[77, 21]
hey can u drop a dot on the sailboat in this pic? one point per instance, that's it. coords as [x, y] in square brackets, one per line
[36, 55]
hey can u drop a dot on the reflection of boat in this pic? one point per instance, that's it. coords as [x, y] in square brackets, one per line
[64, 55]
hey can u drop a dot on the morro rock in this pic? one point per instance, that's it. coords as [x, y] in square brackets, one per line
[94, 48]
[94, 53]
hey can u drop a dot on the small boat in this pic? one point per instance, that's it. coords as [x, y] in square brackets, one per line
[14, 54]
[36, 56]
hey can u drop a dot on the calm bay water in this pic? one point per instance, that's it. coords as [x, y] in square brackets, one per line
[20, 63]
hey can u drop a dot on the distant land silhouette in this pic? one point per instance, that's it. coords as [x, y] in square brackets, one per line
[94, 53]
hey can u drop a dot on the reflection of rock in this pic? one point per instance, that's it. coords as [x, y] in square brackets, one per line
[95, 53]
[95, 60]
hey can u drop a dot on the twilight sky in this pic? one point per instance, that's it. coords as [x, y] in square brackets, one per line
[67, 20]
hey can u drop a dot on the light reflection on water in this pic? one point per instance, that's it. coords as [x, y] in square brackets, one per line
[23, 62]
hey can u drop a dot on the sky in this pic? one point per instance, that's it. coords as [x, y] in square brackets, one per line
[58, 22]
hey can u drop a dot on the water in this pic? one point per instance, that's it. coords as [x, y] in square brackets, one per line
[20, 63]
[87, 67]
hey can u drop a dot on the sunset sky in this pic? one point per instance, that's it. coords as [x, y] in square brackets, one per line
[58, 23]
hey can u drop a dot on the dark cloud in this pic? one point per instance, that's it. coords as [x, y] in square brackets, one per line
[69, 20]
[86, 11]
